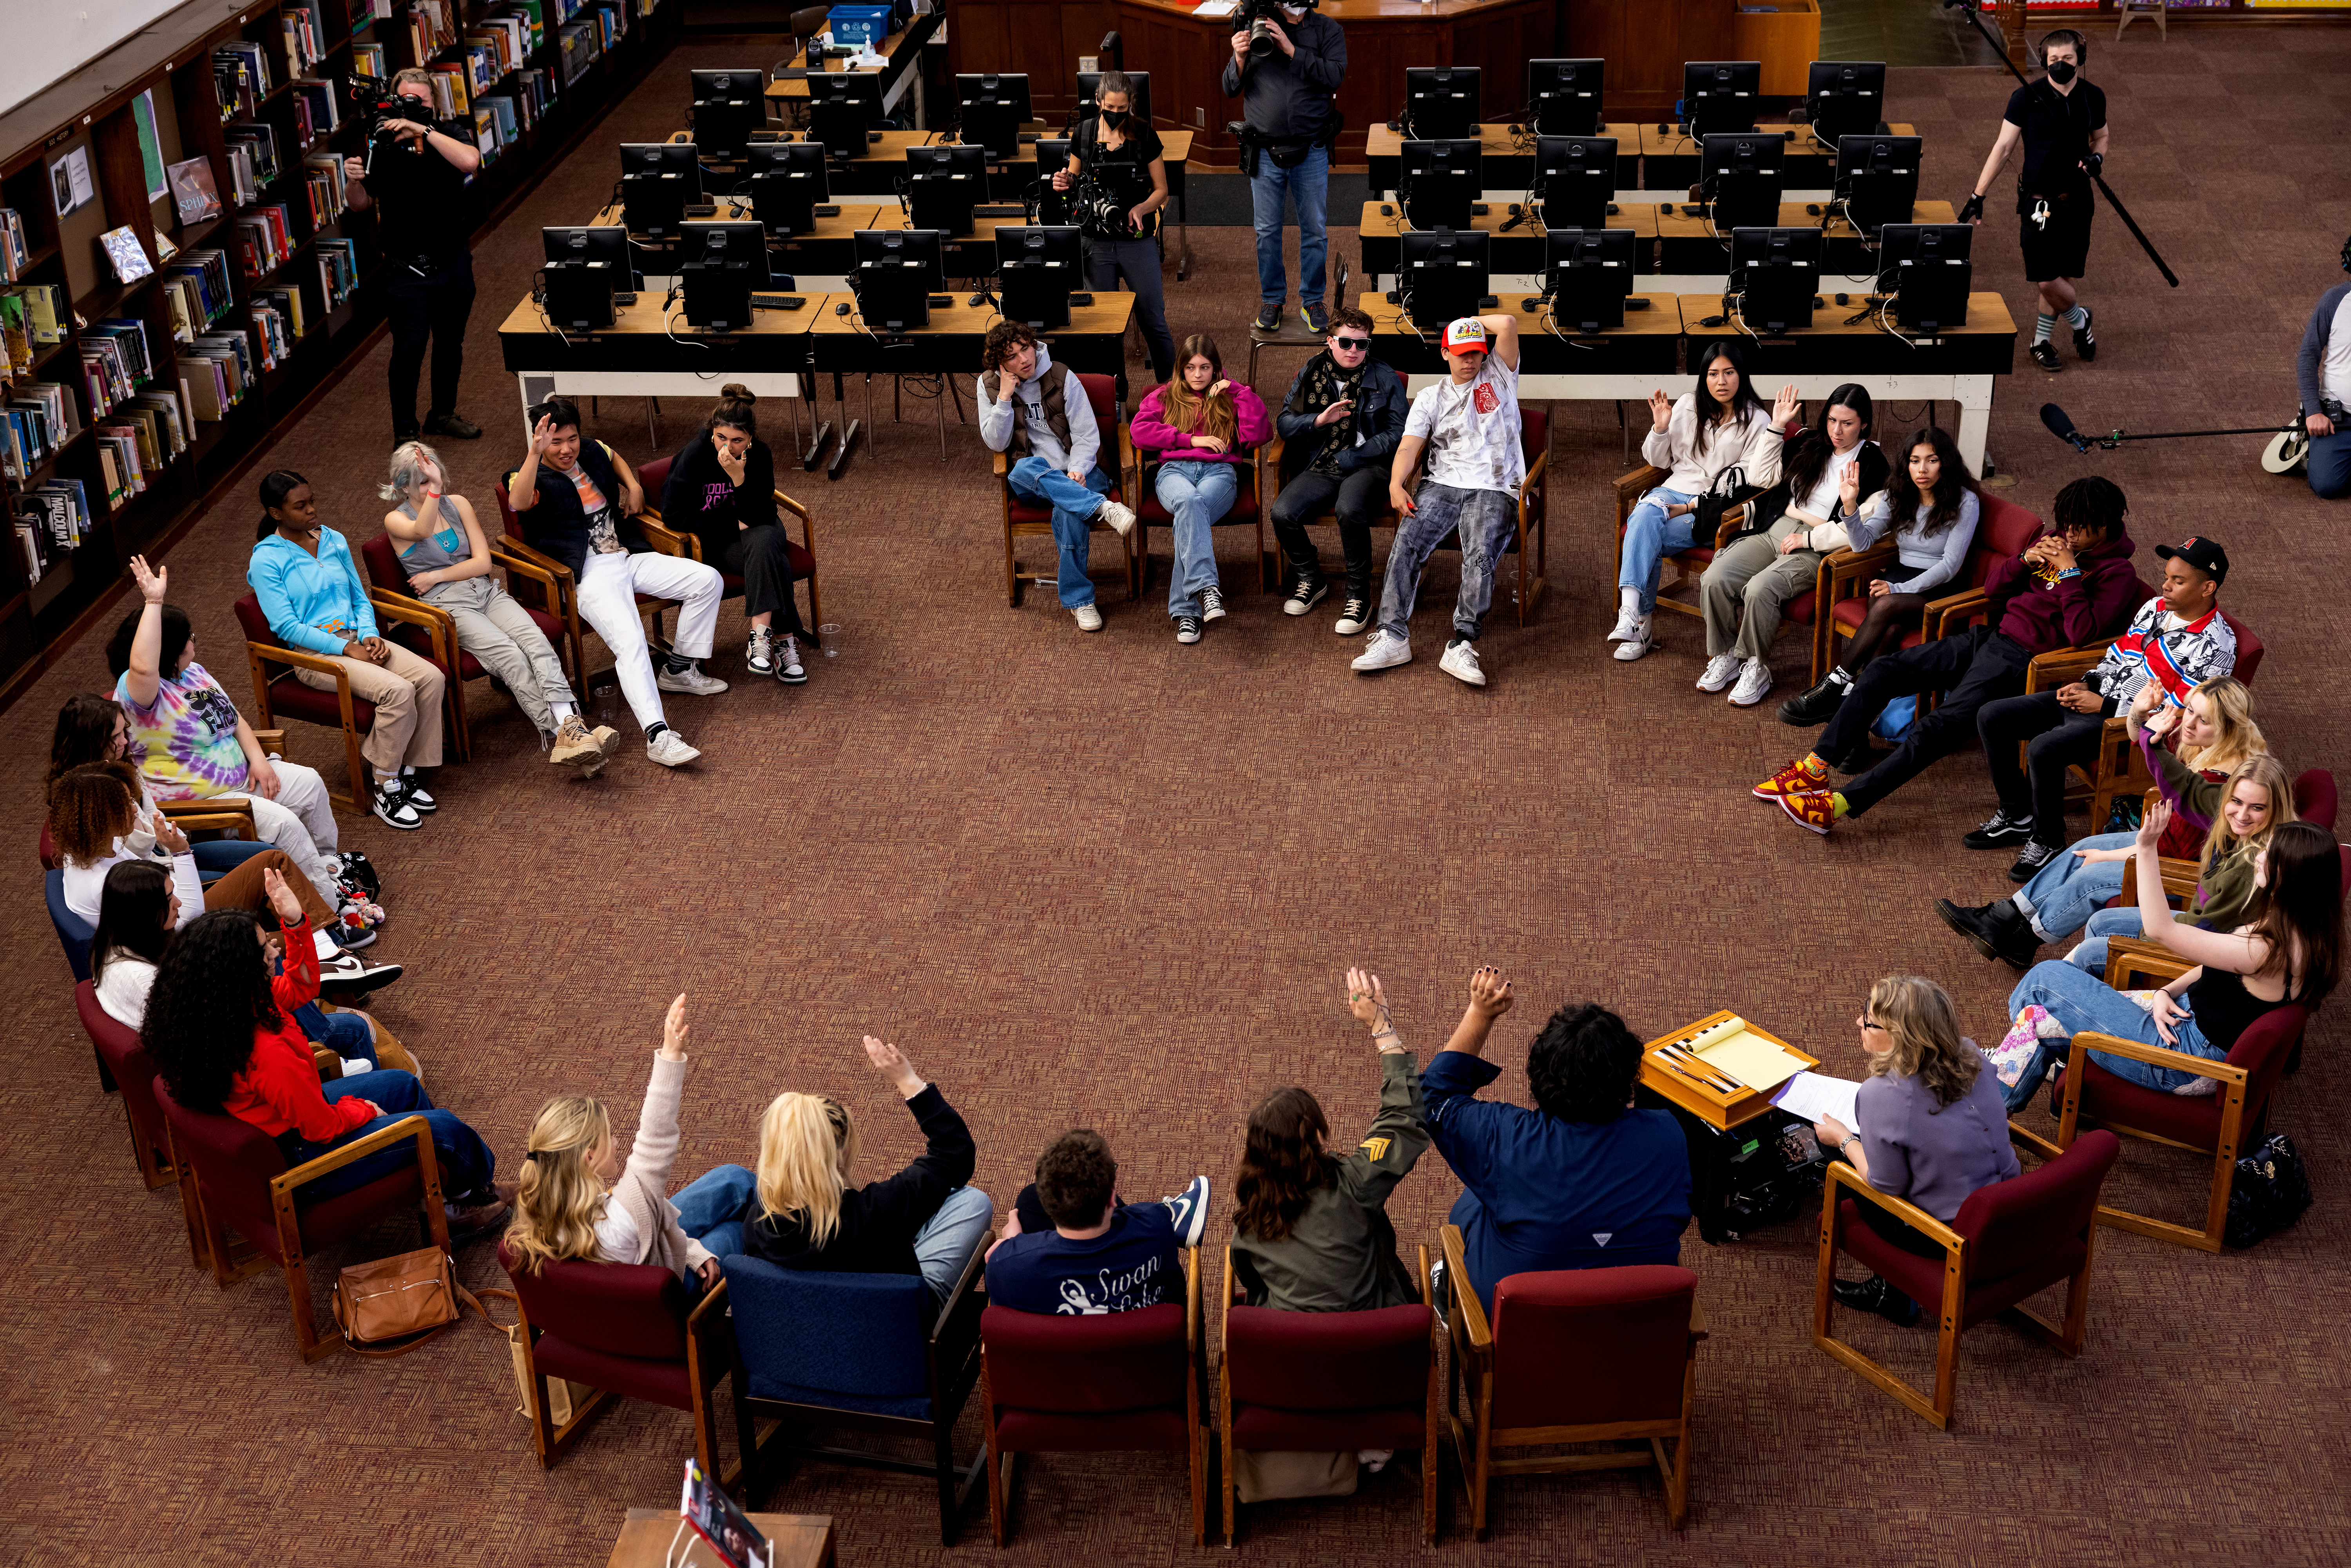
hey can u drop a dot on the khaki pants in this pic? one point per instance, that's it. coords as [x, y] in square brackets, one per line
[243, 889]
[500, 633]
[1753, 575]
[406, 690]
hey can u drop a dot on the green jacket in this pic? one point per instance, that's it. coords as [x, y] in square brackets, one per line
[2225, 892]
[1341, 1256]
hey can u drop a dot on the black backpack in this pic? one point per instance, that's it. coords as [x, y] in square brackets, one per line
[2271, 1190]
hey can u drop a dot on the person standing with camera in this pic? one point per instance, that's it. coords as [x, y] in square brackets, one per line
[2060, 122]
[2322, 372]
[1121, 177]
[414, 176]
[1288, 61]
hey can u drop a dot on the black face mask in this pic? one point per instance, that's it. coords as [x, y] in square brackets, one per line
[1115, 118]
[2062, 71]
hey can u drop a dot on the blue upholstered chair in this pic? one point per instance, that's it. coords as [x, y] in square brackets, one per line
[74, 935]
[870, 1353]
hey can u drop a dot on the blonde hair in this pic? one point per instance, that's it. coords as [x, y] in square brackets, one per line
[1918, 1016]
[560, 1197]
[417, 74]
[2232, 715]
[807, 1145]
[406, 469]
[2220, 842]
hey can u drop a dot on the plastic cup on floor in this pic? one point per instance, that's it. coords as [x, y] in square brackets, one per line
[606, 698]
[829, 639]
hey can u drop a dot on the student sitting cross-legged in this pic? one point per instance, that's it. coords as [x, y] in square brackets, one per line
[1071, 1248]
[1040, 412]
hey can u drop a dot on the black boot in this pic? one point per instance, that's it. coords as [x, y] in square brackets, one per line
[1984, 925]
[1875, 1295]
[2019, 943]
[1819, 704]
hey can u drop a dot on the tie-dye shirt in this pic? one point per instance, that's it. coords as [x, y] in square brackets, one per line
[186, 744]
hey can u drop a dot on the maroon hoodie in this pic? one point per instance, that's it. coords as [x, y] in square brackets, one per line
[2044, 615]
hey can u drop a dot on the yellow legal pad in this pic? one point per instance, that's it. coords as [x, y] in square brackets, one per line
[1758, 1063]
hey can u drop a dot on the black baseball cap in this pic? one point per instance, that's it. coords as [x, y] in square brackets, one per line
[2205, 555]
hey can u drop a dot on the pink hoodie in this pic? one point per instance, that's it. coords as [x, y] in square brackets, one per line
[1152, 431]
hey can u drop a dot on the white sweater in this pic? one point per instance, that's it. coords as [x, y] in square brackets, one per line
[122, 987]
[1752, 444]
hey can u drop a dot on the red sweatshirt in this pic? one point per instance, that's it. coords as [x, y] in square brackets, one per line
[279, 1090]
[2045, 613]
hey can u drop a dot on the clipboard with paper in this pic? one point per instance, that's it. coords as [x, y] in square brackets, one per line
[1723, 1069]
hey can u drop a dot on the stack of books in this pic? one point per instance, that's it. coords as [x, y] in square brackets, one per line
[431, 27]
[305, 34]
[323, 174]
[16, 254]
[338, 271]
[316, 111]
[51, 518]
[217, 369]
[40, 418]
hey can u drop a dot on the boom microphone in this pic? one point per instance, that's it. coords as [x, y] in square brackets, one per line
[2061, 426]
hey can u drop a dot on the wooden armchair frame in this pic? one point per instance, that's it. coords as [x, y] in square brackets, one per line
[2118, 769]
[1475, 1439]
[259, 656]
[692, 543]
[1000, 465]
[441, 628]
[1268, 561]
[709, 1341]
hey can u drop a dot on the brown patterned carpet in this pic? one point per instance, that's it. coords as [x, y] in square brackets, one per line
[1113, 881]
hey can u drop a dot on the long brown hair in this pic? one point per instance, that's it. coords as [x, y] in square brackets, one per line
[2301, 901]
[1200, 415]
[1918, 1015]
[1952, 487]
[2262, 769]
[1282, 1164]
[1808, 454]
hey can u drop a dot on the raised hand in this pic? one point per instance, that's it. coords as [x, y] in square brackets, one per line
[287, 907]
[1786, 407]
[895, 1066]
[150, 582]
[2151, 826]
[541, 434]
[676, 1031]
[1490, 993]
[1849, 486]
[1366, 1000]
[168, 834]
[1661, 411]
[1336, 411]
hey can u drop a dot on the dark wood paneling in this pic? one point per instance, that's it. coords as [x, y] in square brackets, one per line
[1041, 41]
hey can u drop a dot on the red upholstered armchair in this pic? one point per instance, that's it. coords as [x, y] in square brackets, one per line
[240, 1184]
[1123, 1382]
[1022, 520]
[1315, 1380]
[623, 1329]
[2009, 1241]
[388, 586]
[2002, 530]
[1142, 481]
[275, 693]
[121, 1054]
[802, 555]
[1583, 1355]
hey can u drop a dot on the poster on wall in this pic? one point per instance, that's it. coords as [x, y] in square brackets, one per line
[150, 146]
[70, 181]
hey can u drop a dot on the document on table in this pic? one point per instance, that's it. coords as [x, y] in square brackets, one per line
[1812, 1096]
[1753, 1061]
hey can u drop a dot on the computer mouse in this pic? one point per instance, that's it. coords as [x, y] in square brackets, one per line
[1841, 299]
[1665, 209]
[1814, 208]
[976, 300]
[1387, 209]
[842, 309]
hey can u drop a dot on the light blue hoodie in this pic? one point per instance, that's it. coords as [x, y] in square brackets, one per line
[316, 603]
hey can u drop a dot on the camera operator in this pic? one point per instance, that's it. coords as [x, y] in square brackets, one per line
[2061, 122]
[1288, 61]
[2322, 370]
[1121, 182]
[417, 185]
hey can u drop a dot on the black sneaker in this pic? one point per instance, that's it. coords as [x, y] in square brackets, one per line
[1187, 628]
[2031, 859]
[1817, 705]
[789, 668]
[1999, 829]
[1875, 1295]
[1356, 617]
[1317, 317]
[455, 425]
[1212, 604]
[2044, 354]
[760, 652]
[2085, 342]
[414, 788]
[1304, 595]
[1268, 318]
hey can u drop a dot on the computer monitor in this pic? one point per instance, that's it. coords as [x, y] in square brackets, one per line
[723, 264]
[1926, 267]
[1440, 102]
[584, 268]
[1089, 105]
[1740, 175]
[787, 183]
[1038, 266]
[659, 180]
[1877, 179]
[992, 110]
[842, 108]
[1443, 276]
[1720, 95]
[1052, 206]
[1588, 275]
[898, 270]
[943, 185]
[727, 106]
[1575, 177]
[1846, 98]
[1563, 95]
[1439, 182]
[1776, 273]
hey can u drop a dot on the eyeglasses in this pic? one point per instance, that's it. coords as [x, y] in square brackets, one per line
[1868, 1022]
[1350, 344]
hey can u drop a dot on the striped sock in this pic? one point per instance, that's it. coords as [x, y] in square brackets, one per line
[2077, 317]
[2043, 327]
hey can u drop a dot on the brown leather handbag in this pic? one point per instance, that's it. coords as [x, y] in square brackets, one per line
[391, 1305]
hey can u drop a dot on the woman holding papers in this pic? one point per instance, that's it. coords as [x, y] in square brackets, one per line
[1933, 1125]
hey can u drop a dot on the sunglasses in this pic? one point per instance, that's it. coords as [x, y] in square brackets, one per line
[1351, 343]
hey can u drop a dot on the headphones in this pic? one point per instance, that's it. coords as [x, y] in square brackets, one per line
[2066, 35]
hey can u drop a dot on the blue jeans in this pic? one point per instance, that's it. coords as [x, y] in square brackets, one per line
[710, 1211]
[1308, 186]
[218, 857]
[2090, 955]
[1074, 505]
[467, 1162]
[948, 1240]
[1483, 517]
[1650, 537]
[2063, 895]
[344, 1033]
[2329, 464]
[1196, 495]
[2083, 1003]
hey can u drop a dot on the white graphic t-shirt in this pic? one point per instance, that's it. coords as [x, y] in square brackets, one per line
[1472, 430]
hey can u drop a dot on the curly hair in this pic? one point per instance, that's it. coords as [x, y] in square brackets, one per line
[1076, 1177]
[212, 993]
[90, 806]
[1001, 339]
[85, 734]
[177, 630]
[1583, 1064]
[1918, 1016]
[1282, 1164]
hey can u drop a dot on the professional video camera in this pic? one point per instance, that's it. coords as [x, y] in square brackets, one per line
[1095, 206]
[1255, 16]
[379, 103]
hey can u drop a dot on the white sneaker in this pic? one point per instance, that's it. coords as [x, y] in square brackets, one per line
[1384, 652]
[351, 976]
[1637, 640]
[1628, 622]
[789, 668]
[1460, 662]
[1212, 604]
[694, 681]
[1754, 680]
[1089, 618]
[669, 748]
[1720, 672]
[1117, 516]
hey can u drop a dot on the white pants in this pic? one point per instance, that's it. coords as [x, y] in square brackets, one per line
[609, 586]
[302, 821]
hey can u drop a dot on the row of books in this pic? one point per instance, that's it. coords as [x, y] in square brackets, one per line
[499, 45]
[368, 60]
[216, 371]
[16, 251]
[147, 434]
[265, 240]
[51, 518]
[328, 185]
[363, 12]
[41, 313]
[338, 271]
[316, 111]
[431, 27]
[277, 324]
[116, 360]
[241, 77]
[305, 34]
[40, 419]
[259, 142]
[18, 343]
[121, 473]
[201, 278]
[578, 45]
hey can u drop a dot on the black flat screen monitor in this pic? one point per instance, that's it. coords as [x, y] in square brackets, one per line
[1038, 266]
[898, 270]
[1877, 179]
[722, 265]
[1575, 176]
[1926, 267]
[1776, 272]
[1440, 102]
[659, 180]
[992, 109]
[584, 268]
[1443, 276]
[842, 108]
[1089, 101]
[943, 185]
[1052, 206]
[1439, 182]
[1588, 274]
[1563, 95]
[1846, 98]
[787, 183]
[1741, 176]
[728, 107]
[1720, 95]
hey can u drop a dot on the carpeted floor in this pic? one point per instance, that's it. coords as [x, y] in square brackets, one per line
[1112, 881]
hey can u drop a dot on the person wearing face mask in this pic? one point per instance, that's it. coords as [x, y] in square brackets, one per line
[1338, 426]
[1290, 112]
[2061, 123]
[1120, 154]
[1789, 527]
